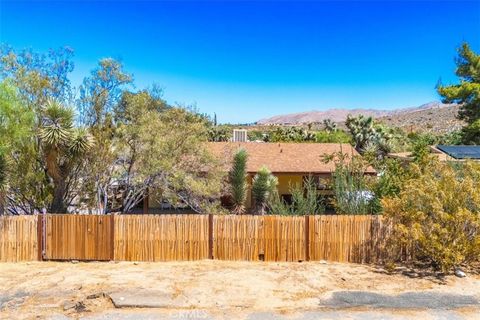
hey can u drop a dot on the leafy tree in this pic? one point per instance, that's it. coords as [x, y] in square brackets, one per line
[263, 187]
[38, 77]
[165, 150]
[238, 182]
[16, 135]
[100, 95]
[437, 215]
[100, 92]
[467, 92]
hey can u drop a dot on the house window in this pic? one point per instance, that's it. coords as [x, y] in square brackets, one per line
[321, 183]
[287, 198]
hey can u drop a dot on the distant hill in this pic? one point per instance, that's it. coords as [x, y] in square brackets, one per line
[433, 116]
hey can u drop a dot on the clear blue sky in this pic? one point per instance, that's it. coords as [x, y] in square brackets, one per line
[248, 60]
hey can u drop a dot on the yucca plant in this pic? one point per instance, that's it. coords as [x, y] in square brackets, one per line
[263, 187]
[63, 147]
[238, 181]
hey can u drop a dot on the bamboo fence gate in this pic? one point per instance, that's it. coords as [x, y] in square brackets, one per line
[341, 238]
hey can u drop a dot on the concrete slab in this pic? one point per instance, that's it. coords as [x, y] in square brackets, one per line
[146, 299]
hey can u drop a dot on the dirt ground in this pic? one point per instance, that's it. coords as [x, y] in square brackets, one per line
[38, 289]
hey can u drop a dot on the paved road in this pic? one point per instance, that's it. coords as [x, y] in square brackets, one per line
[361, 305]
[356, 305]
[385, 314]
[407, 300]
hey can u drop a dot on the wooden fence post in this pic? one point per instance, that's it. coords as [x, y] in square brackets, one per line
[307, 237]
[112, 236]
[210, 236]
[40, 237]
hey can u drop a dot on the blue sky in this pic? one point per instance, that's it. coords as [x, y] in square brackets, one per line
[249, 60]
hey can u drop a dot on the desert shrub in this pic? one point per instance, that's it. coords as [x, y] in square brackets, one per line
[437, 214]
[305, 200]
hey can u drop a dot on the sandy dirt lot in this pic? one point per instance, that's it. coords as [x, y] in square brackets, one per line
[38, 289]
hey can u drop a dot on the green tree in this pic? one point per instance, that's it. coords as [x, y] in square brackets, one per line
[164, 149]
[238, 181]
[37, 76]
[100, 96]
[16, 133]
[264, 185]
[466, 93]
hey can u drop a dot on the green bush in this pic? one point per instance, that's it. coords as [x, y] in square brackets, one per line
[336, 136]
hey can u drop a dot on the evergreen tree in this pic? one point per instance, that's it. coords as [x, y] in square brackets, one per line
[466, 93]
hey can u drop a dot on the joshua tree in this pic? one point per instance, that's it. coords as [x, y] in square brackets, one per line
[361, 129]
[329, 125]
[63, 149]
[263, 186]
[238, 181]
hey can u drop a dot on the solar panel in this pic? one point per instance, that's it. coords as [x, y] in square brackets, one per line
[461, 152]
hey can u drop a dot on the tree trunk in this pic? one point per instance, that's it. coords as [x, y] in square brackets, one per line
[2, 202]
[58, 204]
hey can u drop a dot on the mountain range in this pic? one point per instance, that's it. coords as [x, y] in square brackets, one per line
[433, 116]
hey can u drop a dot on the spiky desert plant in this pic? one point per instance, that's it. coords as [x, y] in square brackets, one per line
[63, 147]
[238, 181]
[329, 125]
[263, 187]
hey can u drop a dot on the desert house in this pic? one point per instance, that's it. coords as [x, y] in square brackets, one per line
[291, 163]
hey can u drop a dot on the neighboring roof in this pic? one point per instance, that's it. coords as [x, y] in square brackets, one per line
[407, 156]
[461, 152]
[284, 157]
[444, 153]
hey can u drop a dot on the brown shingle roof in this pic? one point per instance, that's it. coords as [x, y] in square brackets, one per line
[284, 157]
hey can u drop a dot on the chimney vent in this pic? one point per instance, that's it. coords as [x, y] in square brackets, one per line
[239, 135]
